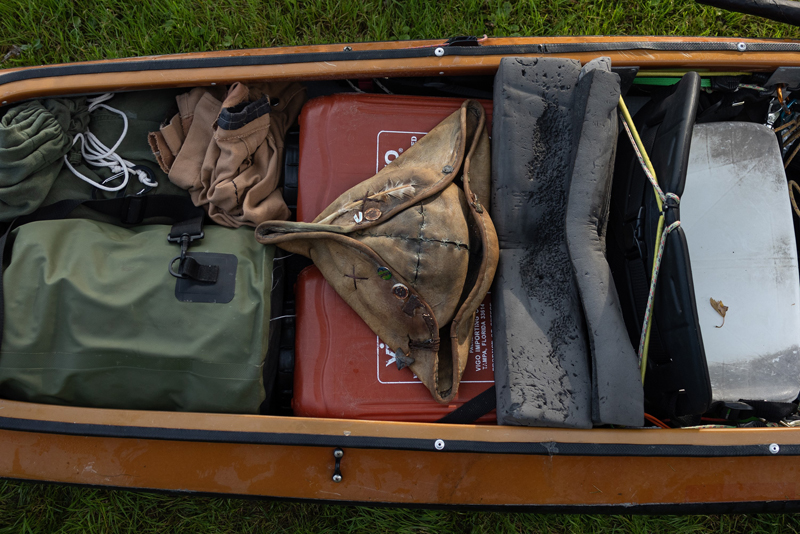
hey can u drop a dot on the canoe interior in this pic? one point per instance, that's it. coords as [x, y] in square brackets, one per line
[283, 456]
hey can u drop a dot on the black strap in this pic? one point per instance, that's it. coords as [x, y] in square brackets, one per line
[130, 210]
[191, 268]
[473, 409]
[743, 409]
[773, 412]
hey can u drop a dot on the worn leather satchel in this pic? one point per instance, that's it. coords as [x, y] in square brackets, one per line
[412, 250]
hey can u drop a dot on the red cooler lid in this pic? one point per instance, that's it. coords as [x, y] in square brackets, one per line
[343, 370]
[347, 138]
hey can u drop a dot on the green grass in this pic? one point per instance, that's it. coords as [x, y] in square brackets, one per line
[39, 508]
[50, 31]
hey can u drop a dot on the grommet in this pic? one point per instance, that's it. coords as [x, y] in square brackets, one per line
[384, 273]
[400, 291]
[348, 49]
[741, 47]
[439, 51]
[372, 214]
[438, 444]
[447, 169]
[774, 448]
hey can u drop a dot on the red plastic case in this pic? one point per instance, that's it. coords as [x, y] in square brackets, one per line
[347, 138]
[342, 369]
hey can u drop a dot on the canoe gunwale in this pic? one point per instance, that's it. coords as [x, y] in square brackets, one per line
[550, 448]
[136, 65]
[390, 59]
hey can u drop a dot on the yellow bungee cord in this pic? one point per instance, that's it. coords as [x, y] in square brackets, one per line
[661, 232]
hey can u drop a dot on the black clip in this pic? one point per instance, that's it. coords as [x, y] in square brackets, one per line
[184, 240]
[638, 234]
[669, 203]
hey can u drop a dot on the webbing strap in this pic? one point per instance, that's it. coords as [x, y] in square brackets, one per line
[773, 412]
[473, 409]
[191, 268]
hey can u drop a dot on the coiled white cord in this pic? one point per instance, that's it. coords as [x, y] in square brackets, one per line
[97, 154]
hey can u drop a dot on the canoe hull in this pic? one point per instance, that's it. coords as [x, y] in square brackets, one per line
[399, 463]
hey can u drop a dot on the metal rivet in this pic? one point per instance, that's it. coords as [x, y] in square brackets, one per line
[337, 478]
[741, 47]
[447, 169]
[439, 51]
[400, 291]
[372, 214]
[438, 444]
[384, 273]
[348, 49]
[338, 453]
[774, 448]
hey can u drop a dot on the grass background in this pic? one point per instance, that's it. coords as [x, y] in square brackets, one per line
[51, 31]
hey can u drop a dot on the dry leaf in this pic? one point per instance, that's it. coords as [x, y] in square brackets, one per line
[721, 309]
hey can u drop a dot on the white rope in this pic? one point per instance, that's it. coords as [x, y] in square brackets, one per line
[97, 154]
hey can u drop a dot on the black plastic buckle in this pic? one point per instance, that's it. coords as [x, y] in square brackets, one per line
[186, 237]
[184, 240]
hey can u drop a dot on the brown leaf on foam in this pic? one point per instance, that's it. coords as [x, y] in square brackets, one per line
[721, 309]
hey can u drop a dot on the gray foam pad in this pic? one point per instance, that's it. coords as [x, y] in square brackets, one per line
[617, 395]
[554, 137]
[541, 351]
[540, 360]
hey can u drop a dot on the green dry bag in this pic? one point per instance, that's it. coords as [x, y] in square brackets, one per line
[93, 317]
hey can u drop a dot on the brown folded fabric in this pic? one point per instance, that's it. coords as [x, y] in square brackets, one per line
[229, 154]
